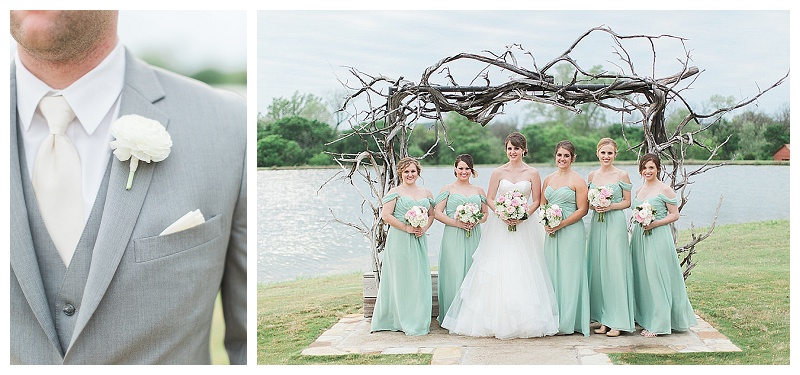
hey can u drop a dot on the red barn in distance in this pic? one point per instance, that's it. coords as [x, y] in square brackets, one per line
[782, 154]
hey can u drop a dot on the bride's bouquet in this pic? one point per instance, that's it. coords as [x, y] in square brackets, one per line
[417, 216]
[469, 213]
[600, 197]
[512, 205]
[644, 214]
[551, 216]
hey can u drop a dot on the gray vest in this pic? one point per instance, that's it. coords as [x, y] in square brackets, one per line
[63, 286]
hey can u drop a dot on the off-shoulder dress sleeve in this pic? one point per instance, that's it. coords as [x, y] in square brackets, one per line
[389, 197]
[672, 201]
[442, 196]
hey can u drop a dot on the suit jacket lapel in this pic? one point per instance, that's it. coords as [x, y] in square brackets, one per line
[122, 207]
[23, 257]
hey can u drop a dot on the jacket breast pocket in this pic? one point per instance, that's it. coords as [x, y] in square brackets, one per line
[151, 248]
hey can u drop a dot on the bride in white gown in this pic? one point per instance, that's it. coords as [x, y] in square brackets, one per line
[507, 292]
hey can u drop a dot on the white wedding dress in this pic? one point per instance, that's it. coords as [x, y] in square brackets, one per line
[507, 293]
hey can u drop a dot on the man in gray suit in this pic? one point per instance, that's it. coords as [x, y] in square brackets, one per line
[125, 293]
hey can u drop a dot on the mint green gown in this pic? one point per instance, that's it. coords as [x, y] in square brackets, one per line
[566, 262]
[610, 271]
[455, 253]
[662, 304]
[405, 291]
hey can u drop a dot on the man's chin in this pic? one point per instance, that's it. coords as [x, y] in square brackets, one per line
[35, 30]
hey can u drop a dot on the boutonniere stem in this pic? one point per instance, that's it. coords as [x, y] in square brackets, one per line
[133, 167]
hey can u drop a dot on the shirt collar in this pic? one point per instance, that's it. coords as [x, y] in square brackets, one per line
[91, 96]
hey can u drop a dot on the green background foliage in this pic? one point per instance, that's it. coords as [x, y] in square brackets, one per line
[300, 131]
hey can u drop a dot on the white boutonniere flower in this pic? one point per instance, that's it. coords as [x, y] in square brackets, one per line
[139, 138]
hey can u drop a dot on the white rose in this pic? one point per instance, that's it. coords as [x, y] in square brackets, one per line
[139, 138]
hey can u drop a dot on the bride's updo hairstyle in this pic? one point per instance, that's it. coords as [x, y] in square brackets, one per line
[650, 157]
[466, 158]
[567, 145]
[517, 140]
[405, 162]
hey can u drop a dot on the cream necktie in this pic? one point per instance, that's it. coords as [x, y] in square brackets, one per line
[57, 179]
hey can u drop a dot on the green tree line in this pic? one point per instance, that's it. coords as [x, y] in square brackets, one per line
[297, 131]
[210, 75]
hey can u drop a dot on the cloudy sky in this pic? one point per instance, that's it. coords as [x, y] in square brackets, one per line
[307, 51]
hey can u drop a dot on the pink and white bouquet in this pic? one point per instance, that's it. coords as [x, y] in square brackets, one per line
[644, 214]
[600, 197]
[417, 216]
[469, 213]
[512, 205]
[551, 216]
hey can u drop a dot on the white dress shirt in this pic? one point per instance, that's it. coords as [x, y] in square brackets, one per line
[95, 100]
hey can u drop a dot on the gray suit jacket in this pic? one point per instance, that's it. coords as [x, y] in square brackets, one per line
[149, 298]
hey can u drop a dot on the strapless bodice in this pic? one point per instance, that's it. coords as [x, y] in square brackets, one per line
[523, 186]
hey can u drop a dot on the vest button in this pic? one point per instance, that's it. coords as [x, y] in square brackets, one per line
[69, 309]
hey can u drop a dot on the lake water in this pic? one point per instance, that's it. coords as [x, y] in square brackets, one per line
[298, 238]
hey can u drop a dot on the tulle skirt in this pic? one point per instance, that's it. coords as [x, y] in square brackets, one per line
[507, 293]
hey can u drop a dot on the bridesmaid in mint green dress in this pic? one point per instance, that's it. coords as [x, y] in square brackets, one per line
[459, 239]
[662, 305]
[565, 245]
[405, 291]
[610, 271]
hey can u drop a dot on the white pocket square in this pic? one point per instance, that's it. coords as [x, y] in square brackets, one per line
[191, 219]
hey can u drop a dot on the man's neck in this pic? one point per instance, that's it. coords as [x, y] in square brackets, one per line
[61, 74]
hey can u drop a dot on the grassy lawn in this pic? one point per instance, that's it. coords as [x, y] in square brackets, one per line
[740, 286]
[217, 345]
[292, 315]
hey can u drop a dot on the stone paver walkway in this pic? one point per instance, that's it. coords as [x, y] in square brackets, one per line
[351, 335]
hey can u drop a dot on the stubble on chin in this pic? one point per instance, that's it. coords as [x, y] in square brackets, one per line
[61, 36]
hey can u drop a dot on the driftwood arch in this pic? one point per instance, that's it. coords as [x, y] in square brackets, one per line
[392, 108]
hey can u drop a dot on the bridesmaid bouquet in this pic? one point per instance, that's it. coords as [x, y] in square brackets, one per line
[600, 197]
[512, 205]
[644, 214]
[469, 213]
[417, 216]
[552, 216]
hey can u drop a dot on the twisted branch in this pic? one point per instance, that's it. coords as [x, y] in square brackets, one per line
[396, 106]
